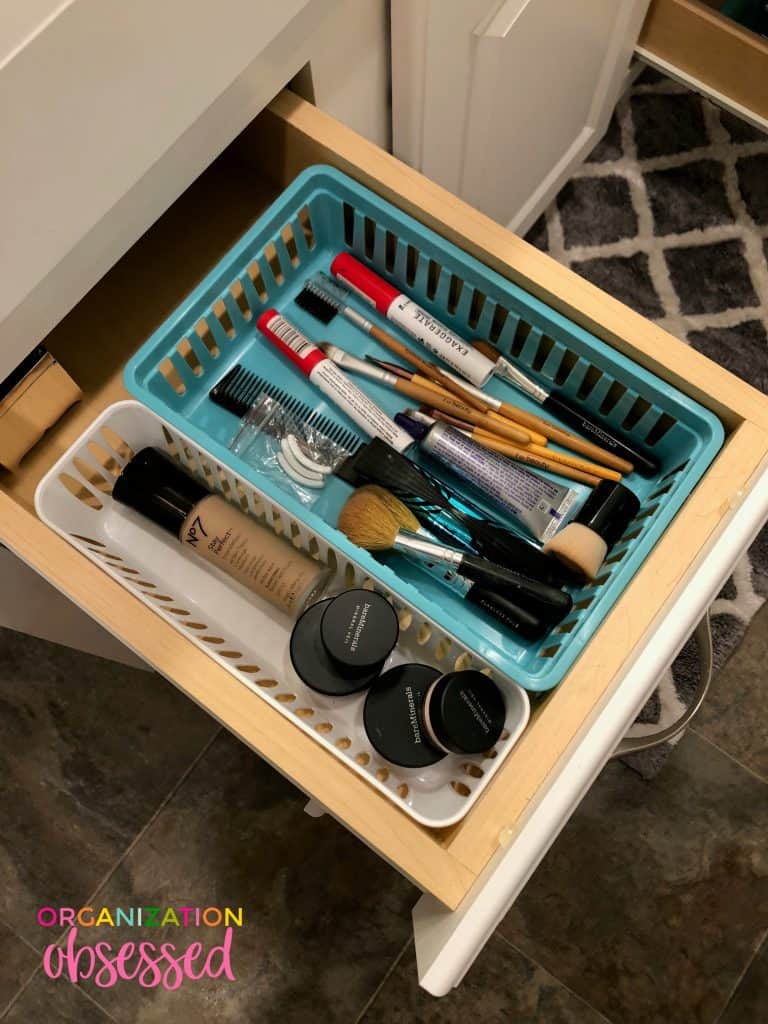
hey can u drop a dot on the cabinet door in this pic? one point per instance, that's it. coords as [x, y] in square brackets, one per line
[499, 102]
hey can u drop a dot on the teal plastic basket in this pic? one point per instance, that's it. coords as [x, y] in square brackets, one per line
[324, 212]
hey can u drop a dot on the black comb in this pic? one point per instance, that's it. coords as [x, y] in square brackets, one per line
[239, 389]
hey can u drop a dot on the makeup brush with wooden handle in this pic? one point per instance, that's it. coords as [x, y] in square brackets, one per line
[498, 425]
[323, 298]
[566, 465]
[525, 456]
[368, 522]
[604, 445]
[497, 410]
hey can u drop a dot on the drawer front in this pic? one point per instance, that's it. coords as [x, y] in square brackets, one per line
[153, 278]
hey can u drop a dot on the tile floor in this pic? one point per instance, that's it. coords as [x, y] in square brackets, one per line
[652, 905]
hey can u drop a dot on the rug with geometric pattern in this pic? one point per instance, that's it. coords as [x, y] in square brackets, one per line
[670, 215]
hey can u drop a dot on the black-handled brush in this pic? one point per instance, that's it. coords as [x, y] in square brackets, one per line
[445, 514]
[367, 519]
[598, 441]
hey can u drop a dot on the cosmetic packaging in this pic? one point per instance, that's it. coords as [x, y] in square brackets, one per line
[464, 712]
[414, 715]
[538, 505]
[413, 319]
[215, 530]
[340, 645]
[332, 381]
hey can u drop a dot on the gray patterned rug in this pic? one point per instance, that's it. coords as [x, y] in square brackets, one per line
[670, 215]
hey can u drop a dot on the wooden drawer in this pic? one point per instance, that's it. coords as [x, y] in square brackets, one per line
[686, 38]
[98, 336]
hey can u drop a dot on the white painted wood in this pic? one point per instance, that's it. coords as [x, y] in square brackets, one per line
[29, 604]
[513, 96]
[702, 87]
[447, 942]
[110, 110]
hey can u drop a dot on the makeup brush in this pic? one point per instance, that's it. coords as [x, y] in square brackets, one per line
[611, 450]
[497, 408]
[444, 513]
[492, 443]
[402, 515]
[367, 521]
[582, 468]
[544, 458]
[323, 298]
[444, 401]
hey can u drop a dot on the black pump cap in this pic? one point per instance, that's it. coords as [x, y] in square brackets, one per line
[417, 430]
[465, 712]
[609, 510]
[154, 485]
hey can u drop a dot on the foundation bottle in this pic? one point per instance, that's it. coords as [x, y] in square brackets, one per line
[215, 530]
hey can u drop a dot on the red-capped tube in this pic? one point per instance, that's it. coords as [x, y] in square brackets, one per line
[413, 319]
[290, 341]
[364, 281]
[328, 378]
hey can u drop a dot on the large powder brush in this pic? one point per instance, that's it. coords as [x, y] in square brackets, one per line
[368, 520]
[450, 517]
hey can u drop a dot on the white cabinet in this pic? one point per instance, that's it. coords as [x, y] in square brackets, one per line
[499, 101]
[109, 110]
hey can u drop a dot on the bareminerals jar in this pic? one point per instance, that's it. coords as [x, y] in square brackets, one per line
[339, 646]
[464, 712]
[414, 715]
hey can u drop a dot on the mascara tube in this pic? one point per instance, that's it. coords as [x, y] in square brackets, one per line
[332, 381]
[538, 504]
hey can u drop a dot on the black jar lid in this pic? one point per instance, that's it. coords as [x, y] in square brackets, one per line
[393, 716]
[464, 712]
[359, 628]
[312, 662]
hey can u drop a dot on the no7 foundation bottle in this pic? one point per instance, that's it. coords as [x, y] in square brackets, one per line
[154, 485]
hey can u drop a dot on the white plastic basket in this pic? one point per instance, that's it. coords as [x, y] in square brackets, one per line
[243, 633]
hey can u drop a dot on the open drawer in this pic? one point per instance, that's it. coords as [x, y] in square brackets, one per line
[105, 329]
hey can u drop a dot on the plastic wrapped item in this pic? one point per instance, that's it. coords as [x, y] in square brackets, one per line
[293, 452]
